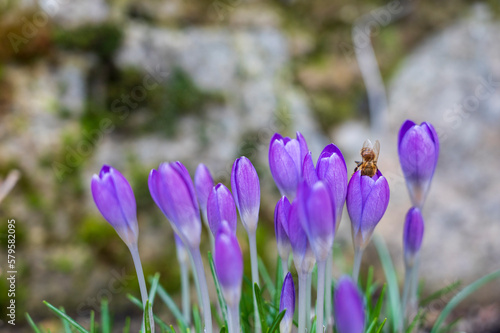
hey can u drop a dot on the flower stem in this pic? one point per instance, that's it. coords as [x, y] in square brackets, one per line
[255, 276]
[302, 302]
[413, 299]
[186, 306]
[233, 319]
[320, 299]
[134, 250]
[202, 281]
[358, 254]
[308, 301]
[328, 292]
[284, 267]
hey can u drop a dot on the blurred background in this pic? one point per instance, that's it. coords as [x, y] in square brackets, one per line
[135, 83]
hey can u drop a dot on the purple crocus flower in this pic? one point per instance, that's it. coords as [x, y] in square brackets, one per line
[228, 262]
[285, 161]
[246, 191]
[303, 256]
[413, 234]
[418, 148]
[367, 201]
[317, 216]
[309, 173]
[349, 307]
[115, 200]
[281, 213]
[221, 207]
[203, 183]
[331, 168]
[173, 191]
[287, 301]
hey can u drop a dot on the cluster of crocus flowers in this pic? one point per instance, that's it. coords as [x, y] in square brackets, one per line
[418, 149]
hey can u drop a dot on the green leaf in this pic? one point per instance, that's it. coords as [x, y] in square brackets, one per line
[440, 293]
[414, 321]
[126, 328]
[154, 287]
[392, 281]
[172, 329]
[32, 323]
[197, 319]
[170, 305]
[268, 282]
[137, 302]
[381, 326]
[463, 294]
[220, 297]
[64, 316]
[105, 322]
[223, 329]
[279, 282]
[260, 307]
[92, 321]
[378, 307]
[147, 318]
[372, 326]
[275, 326]
[66, 327]
[369, 280]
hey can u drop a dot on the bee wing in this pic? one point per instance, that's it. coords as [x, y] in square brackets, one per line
[367, 144]
[376, 150]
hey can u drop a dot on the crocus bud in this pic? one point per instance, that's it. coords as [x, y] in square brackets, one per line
[303, 256]
[228, 262]
[317, 217]
[413, 234]
[331, 169]
[203, 183]
[349, 307]
[418, 148]
[115, 200]
[182, 252]
[367, 201]
[308, 170]
[220, 207]
[287, 301]
[281, 213]
[285, 161]
[246, 191]
[173, 191]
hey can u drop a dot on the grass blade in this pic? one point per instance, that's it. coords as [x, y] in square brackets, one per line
[154, 287]
[64, 316]
[440, 293]
[371, 328]
[126, 328]
[268, 282]
[32, 323]
[414, 321]
[279, 282]
[392, 281]
[275, 326]
[160, 322]
[381, 326]
[147, 321]
[197, 320]
[222, 302]
[463, 294]
[169, 302]
[378, 307]
[105, 322]
[66, 327]
[92, 321]
[260, 306]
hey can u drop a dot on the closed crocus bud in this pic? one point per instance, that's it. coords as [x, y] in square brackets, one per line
[228, 262]
[331, 169]
[349, 307]
[317, 217]
[115, 200]
[221, 207]
[367, 201]
[173, 191]
[303, 256]
[287, 302]
[413, 234]
[285, 161]
[418, 148]
[203, 183]
[246, 191]
[281, 213]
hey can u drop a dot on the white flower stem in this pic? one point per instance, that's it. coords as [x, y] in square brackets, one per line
[202, 281]
[358, 254]
[406, 291]
[233, 319]
[308, 301]
[255, 276]
[186, 302]
[302, 302]
[284, 266]
[328, 291]
[320, 299]
[134, 250]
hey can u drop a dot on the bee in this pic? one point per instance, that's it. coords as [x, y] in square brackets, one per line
[369, 153]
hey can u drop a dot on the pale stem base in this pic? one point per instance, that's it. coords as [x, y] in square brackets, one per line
[302, 302]
[284, 266]
[320, 300]
[186, 301]
[202, 281]
[308, 301]
[134, 250]
[410, 298]
[252, 241]
[358, 254]
[233, 319]
[328, 292]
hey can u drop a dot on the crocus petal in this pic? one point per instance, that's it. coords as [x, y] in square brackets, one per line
[228, 262]
[115, 200]
[203, 183]
[375, 206]
[281, 214]
[413, 234]
[287, 302]
[221, 207]
[349, 307]
[246, 191]
[303, 146]
[283, 167]
[309, 171]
